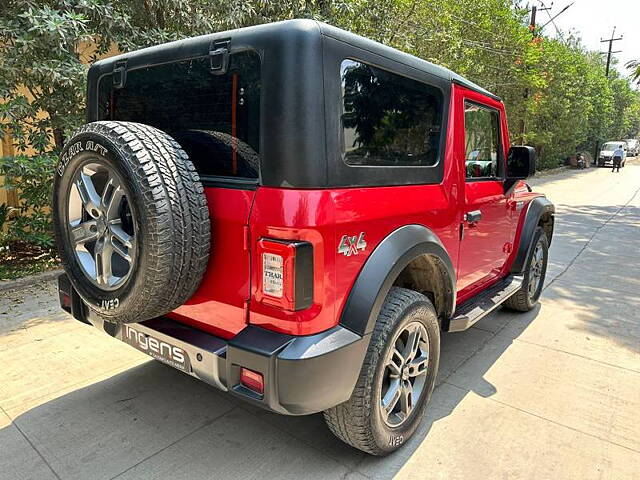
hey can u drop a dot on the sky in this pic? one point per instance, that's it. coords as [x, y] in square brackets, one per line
[593, 20]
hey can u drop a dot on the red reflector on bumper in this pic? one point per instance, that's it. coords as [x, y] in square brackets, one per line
[65, 300]
[252, 380]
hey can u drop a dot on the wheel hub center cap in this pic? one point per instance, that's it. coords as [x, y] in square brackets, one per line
[405, 373]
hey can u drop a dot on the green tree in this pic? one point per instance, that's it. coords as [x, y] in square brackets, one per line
[634, 66]
[42, 87]
[45, 49]
[45, 46]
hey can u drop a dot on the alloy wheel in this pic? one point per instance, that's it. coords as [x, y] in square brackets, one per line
[101, 225]
[535, 270]
[405, 373]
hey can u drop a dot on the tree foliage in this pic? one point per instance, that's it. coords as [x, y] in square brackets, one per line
[32, 175]
[45, 46]
[634, 66]
[556, 93]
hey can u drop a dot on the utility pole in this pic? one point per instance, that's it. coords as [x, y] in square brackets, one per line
[609, 52]
[534, 11]
[532, 22]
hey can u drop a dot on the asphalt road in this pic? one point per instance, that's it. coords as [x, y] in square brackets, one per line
[554, 393]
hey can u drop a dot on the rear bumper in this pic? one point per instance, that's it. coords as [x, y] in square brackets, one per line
[302, 374]
[608, 161]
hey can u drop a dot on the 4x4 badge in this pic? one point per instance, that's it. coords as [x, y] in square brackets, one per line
[350, 245]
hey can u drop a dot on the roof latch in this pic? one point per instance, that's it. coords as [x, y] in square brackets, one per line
[119, 74]
[219, 56]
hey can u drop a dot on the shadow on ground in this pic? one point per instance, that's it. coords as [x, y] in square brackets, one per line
[151, 421]
[601, 286]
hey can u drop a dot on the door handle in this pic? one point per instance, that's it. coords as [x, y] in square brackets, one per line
[473, 216]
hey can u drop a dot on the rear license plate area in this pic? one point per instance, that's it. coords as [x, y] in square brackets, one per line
[161, 350]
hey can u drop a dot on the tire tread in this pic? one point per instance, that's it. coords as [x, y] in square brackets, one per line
[351, 420]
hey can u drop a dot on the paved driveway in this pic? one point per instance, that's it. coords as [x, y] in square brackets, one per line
[554, 393]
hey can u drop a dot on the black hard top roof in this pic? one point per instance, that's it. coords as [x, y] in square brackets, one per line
[285, 29]
[399, 56]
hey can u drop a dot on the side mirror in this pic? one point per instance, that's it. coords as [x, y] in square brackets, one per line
[521, 162]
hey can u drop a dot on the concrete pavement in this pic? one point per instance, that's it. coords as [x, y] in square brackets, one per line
[554, 393]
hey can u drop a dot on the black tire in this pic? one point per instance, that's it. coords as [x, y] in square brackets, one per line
[162, 201]
[525, 299]
[359, 422]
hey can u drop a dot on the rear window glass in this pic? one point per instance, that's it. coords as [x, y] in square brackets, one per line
[215, 118]
[388, 119]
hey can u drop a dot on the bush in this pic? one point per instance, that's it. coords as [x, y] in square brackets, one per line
[32, 177]
[4, 216]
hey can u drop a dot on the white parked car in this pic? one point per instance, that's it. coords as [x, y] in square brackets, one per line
[633, 147]
[605, 158]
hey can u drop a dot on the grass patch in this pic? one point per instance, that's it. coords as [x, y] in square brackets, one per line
[20, 260]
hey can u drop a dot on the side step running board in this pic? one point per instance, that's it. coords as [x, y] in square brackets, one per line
[484, 303]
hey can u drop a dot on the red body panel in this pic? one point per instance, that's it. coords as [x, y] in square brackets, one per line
[486, 245]
[241, 218]
[219, 304]
[322, 217]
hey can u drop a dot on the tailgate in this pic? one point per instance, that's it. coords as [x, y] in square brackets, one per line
[219, 306]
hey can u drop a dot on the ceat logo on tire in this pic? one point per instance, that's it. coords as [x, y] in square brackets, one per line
[110, 304]
[352, 245]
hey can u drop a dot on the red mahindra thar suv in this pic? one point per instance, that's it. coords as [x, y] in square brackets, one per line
[292, 213]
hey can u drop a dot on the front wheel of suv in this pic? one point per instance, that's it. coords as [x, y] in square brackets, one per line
[397, 377]
[527, 296]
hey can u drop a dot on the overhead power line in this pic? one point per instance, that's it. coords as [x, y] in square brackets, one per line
[556, 15]
[548, 10]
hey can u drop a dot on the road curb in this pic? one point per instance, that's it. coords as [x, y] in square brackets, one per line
[23, 282]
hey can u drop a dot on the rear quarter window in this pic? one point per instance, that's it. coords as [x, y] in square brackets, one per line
[388, 119]
[215, 118]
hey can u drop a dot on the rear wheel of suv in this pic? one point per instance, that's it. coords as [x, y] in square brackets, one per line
[131, 220]
[529, 293]
[397, 377]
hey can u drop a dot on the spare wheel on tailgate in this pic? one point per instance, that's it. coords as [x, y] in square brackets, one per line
[131, 220]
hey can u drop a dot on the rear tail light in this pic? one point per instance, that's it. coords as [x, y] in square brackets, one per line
[286, 274]
[254, 381]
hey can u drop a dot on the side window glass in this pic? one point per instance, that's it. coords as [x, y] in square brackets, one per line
[482, 142]
[388, 119]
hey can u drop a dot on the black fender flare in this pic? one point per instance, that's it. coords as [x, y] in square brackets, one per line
[382, 268]
[538, 207]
